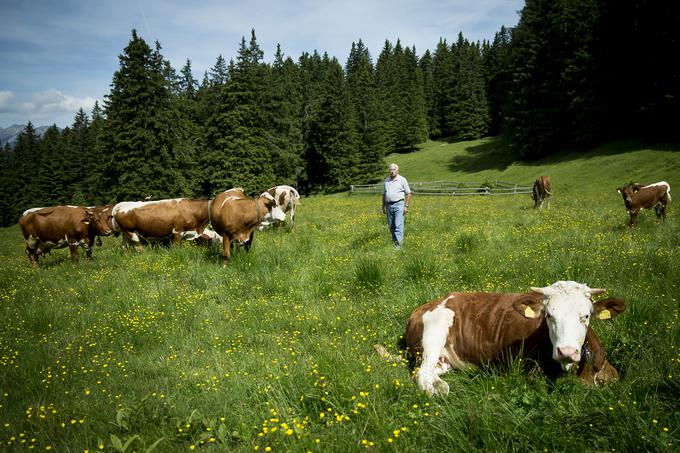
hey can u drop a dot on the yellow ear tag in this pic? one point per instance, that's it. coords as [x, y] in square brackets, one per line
[604, 314]
[529, 312]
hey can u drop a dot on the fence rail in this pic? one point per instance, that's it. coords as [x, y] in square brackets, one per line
[450, 188]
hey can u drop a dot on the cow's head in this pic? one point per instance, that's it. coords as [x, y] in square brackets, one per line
[275, 212]
[628, 191]
[567, 308]
[101, 218]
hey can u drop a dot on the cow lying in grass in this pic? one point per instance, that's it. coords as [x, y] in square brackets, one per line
[550, 325]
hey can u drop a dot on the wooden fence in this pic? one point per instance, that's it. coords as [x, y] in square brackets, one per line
[450, 188]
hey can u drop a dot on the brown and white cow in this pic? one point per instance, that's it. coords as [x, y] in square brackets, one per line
[637, 197]
[541, 191]
[234, 216]
[57, 227]
[161, 220]
[550, 325]
[287, 198]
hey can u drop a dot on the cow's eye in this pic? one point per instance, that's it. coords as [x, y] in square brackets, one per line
[548, 316]
[585, 318]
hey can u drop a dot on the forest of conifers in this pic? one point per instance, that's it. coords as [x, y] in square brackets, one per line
[571, 74]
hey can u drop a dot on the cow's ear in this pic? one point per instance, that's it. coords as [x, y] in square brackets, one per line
[530, 306]
[608, 308]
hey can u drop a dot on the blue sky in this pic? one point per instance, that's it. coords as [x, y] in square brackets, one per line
[59, 56]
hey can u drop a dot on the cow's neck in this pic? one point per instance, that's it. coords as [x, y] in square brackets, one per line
[257, 210]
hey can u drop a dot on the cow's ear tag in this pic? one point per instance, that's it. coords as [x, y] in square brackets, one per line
[604, 314]
[529, 312]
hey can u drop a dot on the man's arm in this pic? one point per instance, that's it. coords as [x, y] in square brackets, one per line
[407, 200]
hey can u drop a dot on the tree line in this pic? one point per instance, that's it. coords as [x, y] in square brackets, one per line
[569, 75]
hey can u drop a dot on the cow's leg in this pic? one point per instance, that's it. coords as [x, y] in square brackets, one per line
[249, 242]
[226, 249]
[32, 256]
[73, 247]
[89, 245]
[292, 216]
[436, 326]
[633, 217]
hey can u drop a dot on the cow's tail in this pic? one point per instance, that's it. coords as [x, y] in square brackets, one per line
[385, 354]
[668, 191]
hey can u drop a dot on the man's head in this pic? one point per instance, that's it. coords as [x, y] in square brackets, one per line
[394, 170]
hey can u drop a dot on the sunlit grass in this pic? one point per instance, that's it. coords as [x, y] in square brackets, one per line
[275, 350]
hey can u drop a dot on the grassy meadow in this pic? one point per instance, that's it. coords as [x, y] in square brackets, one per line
[167, 350]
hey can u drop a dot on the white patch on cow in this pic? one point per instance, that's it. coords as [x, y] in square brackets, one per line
[662, 184]
[567, 309]
[436, 325]
[277, 214]
[28, 211]
[127, 206]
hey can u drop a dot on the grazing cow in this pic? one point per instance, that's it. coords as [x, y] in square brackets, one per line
[637, 197]
[287, 198]
[549, 325]
[541, 191]
[235, 216]
[63, 226]
[145, 221]
[208, 237]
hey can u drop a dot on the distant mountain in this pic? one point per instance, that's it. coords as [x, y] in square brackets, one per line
[9, 134]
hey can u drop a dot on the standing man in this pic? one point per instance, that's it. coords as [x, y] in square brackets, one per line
[395, 201]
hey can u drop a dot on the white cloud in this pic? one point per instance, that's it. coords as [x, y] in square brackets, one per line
[43, 107]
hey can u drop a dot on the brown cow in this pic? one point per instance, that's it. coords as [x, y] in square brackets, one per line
[63, 226]
[145, 221]
[541, 191]
[637, 197]
[549, 325]
[235, 216]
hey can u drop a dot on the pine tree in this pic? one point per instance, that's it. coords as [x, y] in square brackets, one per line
[9, 188]
[240, 155]
[141, 133]
[93, 187]
[79, 145]
[331, 144]
[386, 76]
[496, 60]
[55, 176]
[283, 116]
[26, 159]
[411, 103]
[443, 86]
[470, 113]
[426, 65]
[366, 114]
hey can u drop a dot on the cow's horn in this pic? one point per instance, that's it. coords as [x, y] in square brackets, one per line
[594, 291]
[538, 290]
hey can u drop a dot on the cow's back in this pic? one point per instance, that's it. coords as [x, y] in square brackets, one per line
[54, 223]
[485, 325]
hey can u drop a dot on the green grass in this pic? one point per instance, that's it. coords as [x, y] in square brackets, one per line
[275, 350]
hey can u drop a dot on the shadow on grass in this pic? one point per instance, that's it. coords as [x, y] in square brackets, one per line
[496, 154]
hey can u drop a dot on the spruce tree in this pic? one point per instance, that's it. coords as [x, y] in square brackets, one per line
[470, 115]
[141, 130]
[240, 154]
[332, 159]
[11, 183]
[26, 160]
[366, 115]
[443, 88]
[283, 116]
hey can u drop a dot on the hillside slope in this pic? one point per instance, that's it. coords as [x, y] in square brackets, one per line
[603, 168]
